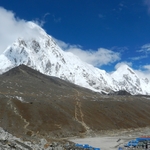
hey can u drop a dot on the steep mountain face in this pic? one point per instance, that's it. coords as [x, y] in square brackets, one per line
[43, 54]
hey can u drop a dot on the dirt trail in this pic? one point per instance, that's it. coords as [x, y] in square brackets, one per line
[9, 103]
[79, 116]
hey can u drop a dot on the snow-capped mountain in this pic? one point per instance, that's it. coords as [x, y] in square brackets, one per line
[129, 81]
[43, 54]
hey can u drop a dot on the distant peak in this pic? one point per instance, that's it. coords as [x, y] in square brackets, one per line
[123, 66]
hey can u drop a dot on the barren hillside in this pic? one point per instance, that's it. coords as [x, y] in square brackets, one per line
[34, 105]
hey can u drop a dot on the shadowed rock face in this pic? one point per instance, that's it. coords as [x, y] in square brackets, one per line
[33, 105]
[121, 92]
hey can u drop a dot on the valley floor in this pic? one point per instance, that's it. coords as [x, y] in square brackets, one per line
[112, 141]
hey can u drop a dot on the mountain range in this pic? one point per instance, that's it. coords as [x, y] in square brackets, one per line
[44, 55]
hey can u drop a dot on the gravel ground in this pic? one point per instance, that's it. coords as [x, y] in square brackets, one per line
[112, 140]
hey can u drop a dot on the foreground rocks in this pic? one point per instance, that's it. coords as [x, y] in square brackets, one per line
[10, 142]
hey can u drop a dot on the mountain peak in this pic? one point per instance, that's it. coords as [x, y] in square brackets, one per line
[125, 68]
[43, 54]
[122, 71]
[33, 25]
[36, 27]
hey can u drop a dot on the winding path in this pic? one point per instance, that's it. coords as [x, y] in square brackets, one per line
[9, 103]
[79, 116]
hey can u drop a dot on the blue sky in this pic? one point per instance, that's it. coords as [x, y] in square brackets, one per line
[104, 33]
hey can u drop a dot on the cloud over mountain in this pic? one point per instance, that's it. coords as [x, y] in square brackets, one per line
[99, 57]
[13, 27]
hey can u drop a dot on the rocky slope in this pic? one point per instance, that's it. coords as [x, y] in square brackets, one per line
[10, 142]
[43, 54]
[35, 106]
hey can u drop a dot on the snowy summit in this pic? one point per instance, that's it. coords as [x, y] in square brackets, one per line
[42, 53]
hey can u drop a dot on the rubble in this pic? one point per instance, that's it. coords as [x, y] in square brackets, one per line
[10, 142]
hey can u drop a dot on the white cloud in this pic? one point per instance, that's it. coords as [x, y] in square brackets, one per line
[144, 72]
[145, 48]
[55, 19]
[123, 63]
[147, 3]
[145, 52]
[139, 57]
[12, 27]
[98, 58]
[66, 46]
[147, 67]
